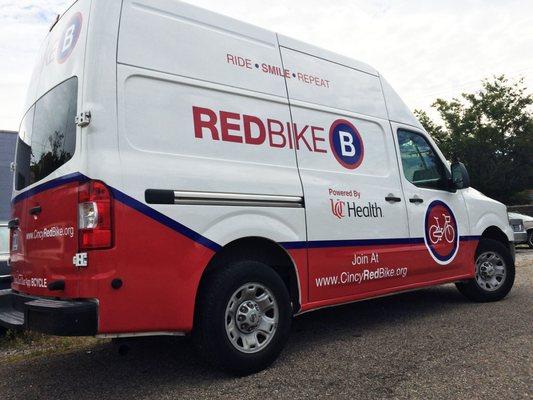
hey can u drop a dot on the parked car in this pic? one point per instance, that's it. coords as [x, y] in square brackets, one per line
[522, 227]
[5, 273]
[195, 175]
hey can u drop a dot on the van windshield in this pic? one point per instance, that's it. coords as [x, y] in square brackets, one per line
[47, 135]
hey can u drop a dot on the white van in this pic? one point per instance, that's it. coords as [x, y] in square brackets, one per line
[179, 172]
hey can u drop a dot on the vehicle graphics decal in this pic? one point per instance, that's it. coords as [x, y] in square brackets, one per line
[441, 232]
[163, 219]
[341, 209]
[315, 244]
[62, 180]
[344, 270]
[277, 70]
[197, 237]
[69, 38]
[125, 199]
[345, 142]
[337, 208]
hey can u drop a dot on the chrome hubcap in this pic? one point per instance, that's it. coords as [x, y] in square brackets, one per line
[251, 317]
[248, 316]
[490, 271]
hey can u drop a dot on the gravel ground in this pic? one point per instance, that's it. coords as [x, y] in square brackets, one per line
[429, 344]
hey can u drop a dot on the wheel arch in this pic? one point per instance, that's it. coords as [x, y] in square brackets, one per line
[258, 249]
[495, 233]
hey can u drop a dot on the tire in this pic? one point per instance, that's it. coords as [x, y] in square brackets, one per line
[221, 339]
[530, 239]
[486, 288]
[3, 331]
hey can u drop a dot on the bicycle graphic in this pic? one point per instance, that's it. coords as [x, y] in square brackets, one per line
[436, 233]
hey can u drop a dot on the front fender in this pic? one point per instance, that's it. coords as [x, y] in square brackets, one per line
[485, 212]
[489, 219]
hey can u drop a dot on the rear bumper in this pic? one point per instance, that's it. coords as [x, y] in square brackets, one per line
[5, 281]
[5, 275]
[54, 317]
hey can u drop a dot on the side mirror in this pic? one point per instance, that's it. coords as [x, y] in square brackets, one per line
[460, 177]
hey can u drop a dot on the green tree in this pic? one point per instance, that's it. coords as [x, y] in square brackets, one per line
[491, 132]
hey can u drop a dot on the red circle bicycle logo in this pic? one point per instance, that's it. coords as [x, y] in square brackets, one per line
[440, 232]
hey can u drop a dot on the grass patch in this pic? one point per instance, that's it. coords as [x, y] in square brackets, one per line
[18, 345]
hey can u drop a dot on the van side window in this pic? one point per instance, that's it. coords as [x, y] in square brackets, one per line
[421, 165]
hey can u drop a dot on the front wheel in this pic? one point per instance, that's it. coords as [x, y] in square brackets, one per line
[243, 318]
[449, 234]
[495, 273]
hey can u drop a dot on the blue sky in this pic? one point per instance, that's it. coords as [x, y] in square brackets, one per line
[426, 49]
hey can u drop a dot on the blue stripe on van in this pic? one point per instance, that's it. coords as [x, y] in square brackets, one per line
[127, 200]
[469, 238]
[315, 244]
[63, 180]
[195, 236]
[163, 219]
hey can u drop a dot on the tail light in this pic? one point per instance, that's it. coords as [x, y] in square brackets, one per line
[95, 216]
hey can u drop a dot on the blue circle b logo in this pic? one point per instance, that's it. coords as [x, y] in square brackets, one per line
[69, 38]
[346, 144]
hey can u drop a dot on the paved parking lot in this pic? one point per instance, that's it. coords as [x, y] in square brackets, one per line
[429, 344]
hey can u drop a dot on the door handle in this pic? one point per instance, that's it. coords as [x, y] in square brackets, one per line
[392, 199]
[35, 210]
[416, 200]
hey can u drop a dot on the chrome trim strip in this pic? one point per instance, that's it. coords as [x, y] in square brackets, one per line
[236, 199]
[137, 334]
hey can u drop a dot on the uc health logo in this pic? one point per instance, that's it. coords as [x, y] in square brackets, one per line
[441, 235]
[337, 208]
[341, 209]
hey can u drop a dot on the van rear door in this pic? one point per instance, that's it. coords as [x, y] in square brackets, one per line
[46, 240]
[48, 159]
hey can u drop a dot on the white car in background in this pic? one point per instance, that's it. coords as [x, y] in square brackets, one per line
[522, 227]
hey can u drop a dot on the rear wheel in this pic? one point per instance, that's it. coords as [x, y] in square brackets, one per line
[495, 272]
[243, 318]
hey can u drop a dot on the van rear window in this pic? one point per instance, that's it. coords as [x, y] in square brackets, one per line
[47, 135]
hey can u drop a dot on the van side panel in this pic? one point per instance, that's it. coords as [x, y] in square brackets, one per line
[348, 218]
[180, 39]
[398, 111]
[160, 269]
[199, 119]
[329, 84]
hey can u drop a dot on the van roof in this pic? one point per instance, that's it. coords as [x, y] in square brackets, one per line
[303, 47]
